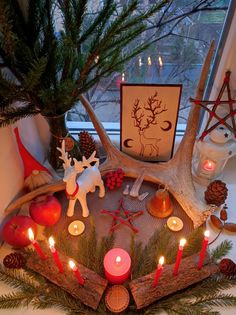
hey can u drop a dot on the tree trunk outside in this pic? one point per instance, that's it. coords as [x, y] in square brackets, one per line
[59, 131]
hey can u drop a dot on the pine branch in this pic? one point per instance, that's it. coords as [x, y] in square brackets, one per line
[16, 299]
[13, 114]
[221, 250]
[35, 73]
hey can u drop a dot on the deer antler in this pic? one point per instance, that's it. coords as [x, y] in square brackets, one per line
[154, 106]
[91, 159]
[64, 155]
[137, 117]
[176, 173]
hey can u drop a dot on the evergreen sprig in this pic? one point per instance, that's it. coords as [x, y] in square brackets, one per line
[221, 250]
[50, 68]
[199, 299]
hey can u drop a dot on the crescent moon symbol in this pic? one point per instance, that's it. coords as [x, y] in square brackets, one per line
[169, 125]
[126, 143]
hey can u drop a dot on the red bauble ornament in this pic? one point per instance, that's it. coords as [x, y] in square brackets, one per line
[15, 231]
[45, 210]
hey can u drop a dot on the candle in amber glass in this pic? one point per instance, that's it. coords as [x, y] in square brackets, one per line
[160, 205]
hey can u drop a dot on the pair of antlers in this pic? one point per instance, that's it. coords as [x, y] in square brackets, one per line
[78, 165]
[153, 106]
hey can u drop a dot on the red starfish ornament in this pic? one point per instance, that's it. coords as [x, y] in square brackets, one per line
[212, 112]
[126, 220]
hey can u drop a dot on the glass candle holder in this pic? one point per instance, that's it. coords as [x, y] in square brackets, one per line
[212, 154]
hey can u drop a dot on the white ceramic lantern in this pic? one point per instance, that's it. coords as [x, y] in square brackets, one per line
[212, 154]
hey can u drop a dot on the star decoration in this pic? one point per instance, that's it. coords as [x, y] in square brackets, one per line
[126, 219]
[212, 112]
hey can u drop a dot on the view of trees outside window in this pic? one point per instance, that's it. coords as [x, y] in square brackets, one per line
[180, 34]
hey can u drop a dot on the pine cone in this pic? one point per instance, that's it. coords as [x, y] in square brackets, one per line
[227, 267]
[86, 144]
[216, 193]
[14, 261]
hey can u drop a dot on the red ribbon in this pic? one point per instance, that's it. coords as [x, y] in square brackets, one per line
[72, 196]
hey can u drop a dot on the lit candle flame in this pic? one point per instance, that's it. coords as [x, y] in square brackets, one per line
[207, 233]
[160, 61]
[123, 77]
[149, 61]
[31, 234]
[174, 222]
[51, 241]
[182, 242]
[161, 260]
[71, 264]
[118, 259]
[140, 61]
[97, 59]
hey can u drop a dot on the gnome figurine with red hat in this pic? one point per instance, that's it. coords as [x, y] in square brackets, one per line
[35, 174]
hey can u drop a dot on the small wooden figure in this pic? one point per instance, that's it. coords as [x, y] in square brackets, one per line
[89, 179]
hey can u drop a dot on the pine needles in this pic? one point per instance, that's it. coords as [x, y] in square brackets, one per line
[33, 289]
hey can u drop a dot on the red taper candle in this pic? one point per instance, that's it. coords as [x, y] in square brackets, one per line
[36, 244]
[55, 254]
[179, 256]
[158, 271]
[76, 272]
[204, 248]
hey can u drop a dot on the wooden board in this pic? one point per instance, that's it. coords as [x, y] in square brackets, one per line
[90, 294]
[144, 293]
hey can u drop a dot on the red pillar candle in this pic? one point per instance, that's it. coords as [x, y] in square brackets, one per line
[117, 265]
[158, 271]
[36, 244]
[179, 256]
[55, 254]
[204, 248]
[76, 272]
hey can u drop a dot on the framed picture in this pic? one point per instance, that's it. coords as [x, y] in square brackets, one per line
[149, 115]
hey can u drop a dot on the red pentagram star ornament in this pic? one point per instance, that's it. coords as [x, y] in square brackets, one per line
[126, 219]
[212, 112]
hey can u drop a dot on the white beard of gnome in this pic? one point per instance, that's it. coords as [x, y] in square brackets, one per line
[89, 179]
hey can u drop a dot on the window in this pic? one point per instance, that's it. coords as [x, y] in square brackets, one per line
[180, 43]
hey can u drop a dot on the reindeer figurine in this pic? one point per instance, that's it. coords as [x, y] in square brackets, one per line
[89, 179]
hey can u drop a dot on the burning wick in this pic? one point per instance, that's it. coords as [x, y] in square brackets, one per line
[158, 271]
[118, 260]
[36, 244]
[76, 272]
[140, 62]
[149, 61]
[160, 61]
[55, 254]
[123, 77]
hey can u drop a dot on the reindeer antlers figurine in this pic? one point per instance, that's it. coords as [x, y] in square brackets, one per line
[86, 182]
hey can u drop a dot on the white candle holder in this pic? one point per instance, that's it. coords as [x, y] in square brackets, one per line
[212, 154]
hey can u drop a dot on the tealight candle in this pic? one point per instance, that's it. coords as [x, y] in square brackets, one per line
[204, 248]
[55, 254]
[36, 244]
[158, 271]
[76, 227]
[76, 272]
[117, 264]
[179, 255]
[175, 224]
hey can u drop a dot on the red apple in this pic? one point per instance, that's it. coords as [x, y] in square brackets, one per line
[45, 210]
[15, 231]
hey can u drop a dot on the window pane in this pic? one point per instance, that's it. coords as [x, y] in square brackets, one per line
[176, 56]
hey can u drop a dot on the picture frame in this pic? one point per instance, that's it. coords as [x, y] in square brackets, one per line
[149, 114]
